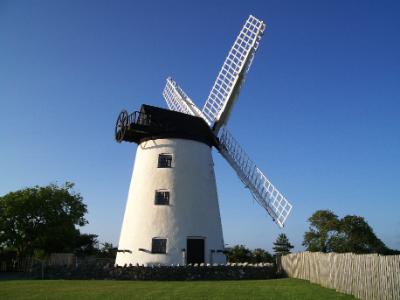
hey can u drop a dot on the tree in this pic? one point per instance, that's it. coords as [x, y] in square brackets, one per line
[282, 246]
[238, 253]
[349, 234]
[259, 255]
[86, 244]
[107, 251]
[324, 225]
[355, 235]
[41, 219]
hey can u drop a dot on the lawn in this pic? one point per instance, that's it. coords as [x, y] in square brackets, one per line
[108, 289]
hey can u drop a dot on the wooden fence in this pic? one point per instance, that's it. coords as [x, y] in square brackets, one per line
[62, 259]
[366, 276]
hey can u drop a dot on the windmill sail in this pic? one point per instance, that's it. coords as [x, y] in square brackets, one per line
[231, 76]
[263, 191]
[216, 112]
[177, 100]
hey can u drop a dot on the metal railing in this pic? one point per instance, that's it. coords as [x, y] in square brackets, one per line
[138, 118]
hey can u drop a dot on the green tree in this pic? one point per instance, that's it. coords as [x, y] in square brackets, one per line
[282, 246]
[86, 244]
[239, 253]
[108, 250]
[259, 255]
[349, 234]
[324, 225]
[41, 219]
[355, 235]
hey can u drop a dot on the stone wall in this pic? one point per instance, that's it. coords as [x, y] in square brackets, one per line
[190, 272]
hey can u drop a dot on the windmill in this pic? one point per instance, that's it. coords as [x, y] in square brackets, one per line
[172, 213]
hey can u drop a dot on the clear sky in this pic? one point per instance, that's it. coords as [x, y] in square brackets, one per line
[319, 112]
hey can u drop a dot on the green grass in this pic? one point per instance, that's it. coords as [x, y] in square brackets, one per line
[108, 289]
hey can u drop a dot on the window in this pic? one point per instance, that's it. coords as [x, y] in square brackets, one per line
[162, 197]
[165, 161]
[159, 246]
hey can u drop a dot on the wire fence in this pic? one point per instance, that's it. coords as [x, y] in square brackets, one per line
[365, 276]
[16, 265]
[64, 260]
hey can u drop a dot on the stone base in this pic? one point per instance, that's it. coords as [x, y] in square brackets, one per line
[220, 272]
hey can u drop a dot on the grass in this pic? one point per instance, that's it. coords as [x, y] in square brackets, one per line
[112, 290]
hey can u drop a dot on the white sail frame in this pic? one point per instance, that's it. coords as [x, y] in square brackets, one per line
[232, 74]
[261, 188]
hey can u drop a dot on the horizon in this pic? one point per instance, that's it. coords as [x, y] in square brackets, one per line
[318, 112]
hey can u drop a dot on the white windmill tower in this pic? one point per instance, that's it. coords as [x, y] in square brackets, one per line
[172, 213]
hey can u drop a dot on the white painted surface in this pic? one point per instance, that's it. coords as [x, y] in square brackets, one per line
[193, 210]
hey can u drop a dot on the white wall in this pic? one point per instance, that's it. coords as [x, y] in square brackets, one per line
[193, 209]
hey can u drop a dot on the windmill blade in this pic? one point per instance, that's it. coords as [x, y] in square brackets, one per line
[177, 100]
[232, 74]
[263, 191]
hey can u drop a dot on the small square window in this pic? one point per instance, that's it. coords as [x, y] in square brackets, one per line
[159, 246]
[165, 161]
[162, 198]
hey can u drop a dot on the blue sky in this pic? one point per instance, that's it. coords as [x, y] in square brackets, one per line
[319, 112]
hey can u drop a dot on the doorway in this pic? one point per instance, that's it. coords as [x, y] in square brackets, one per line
[195, 251]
